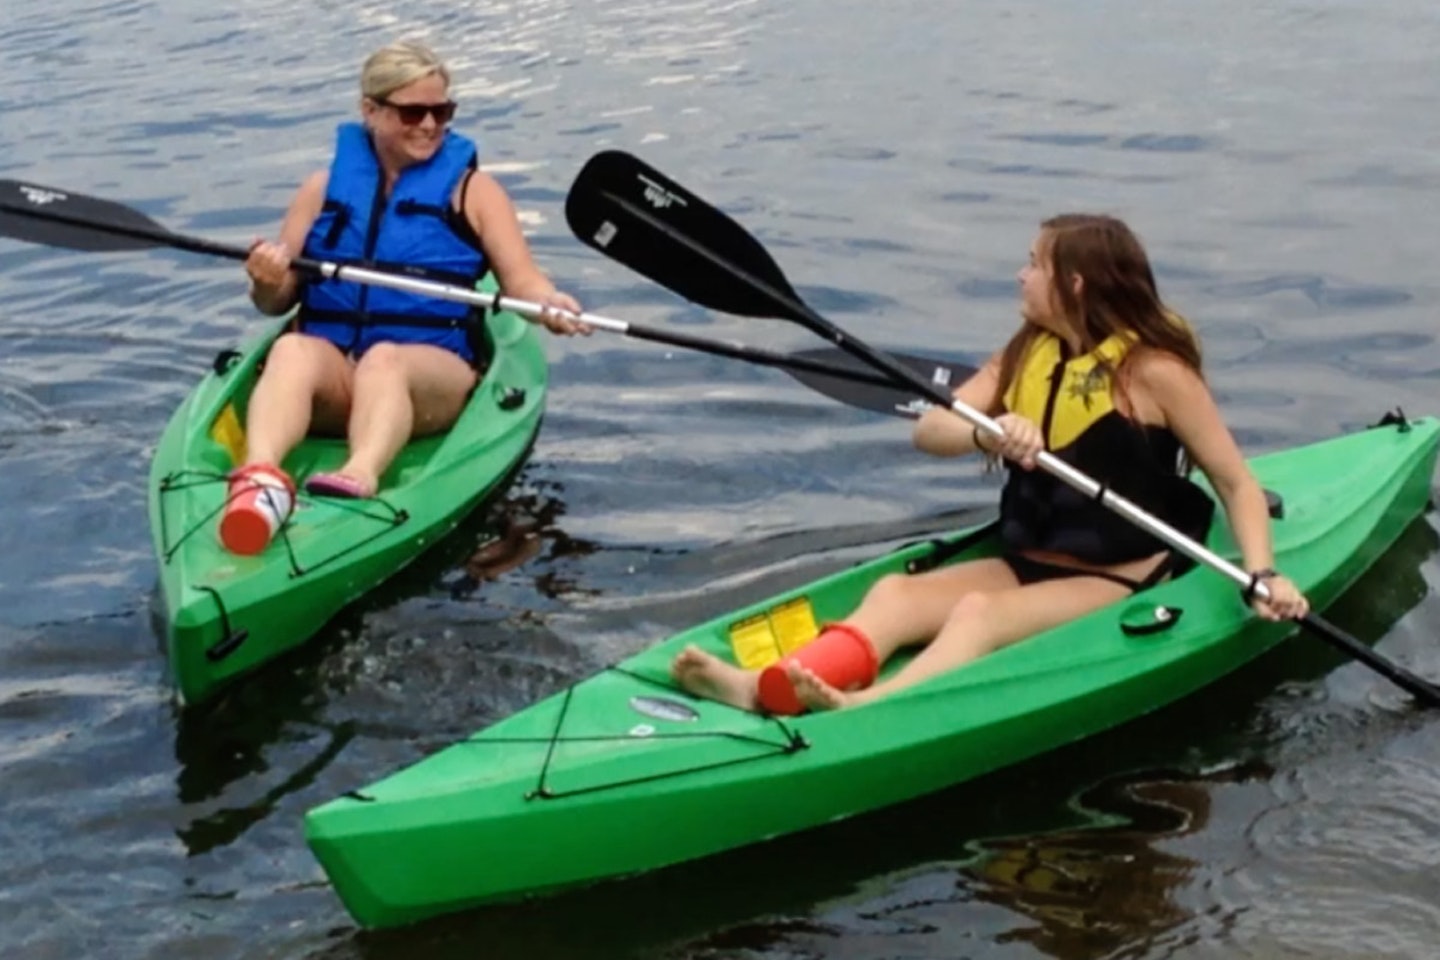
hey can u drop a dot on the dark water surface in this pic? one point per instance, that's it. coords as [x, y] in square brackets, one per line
[1279, 159]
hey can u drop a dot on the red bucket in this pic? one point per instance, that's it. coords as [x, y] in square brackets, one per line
[259, 502]
[842, 656]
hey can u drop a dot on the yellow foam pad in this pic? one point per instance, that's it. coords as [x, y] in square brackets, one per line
[227, 432]
[764, 638]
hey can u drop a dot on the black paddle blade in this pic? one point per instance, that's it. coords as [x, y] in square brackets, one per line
[1424, 691]
[636, 215]
[61, 218]
[895, 401]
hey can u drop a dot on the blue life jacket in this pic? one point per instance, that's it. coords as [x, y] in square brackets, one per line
[415, 231]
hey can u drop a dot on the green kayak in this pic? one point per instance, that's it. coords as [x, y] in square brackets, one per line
[623, 773]
[228, 614]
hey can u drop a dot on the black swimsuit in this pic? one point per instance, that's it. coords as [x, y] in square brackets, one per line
[1029, 571]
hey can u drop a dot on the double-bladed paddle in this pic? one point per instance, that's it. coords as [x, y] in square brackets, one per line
[637, 215]
[63, 218]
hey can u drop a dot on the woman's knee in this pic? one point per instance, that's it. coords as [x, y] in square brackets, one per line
[383, 360]
[973, 608]
[297, 355]
[290, 350]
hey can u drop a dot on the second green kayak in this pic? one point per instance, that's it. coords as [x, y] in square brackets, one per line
[226, 614]
[624, 773]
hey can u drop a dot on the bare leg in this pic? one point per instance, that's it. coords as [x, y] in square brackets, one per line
[900, 610]
[897, 610]
[401, 390]
[978, 624]
[305, 378]
[706, 675]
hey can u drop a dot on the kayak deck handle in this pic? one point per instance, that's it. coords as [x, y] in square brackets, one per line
[230, 640]
[1142, 620]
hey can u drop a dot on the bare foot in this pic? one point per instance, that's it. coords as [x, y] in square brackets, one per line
[816, 694]
[706, 675]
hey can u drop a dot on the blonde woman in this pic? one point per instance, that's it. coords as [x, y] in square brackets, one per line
[403, 191]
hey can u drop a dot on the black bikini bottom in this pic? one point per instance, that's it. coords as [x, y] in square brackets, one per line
[1029, 571]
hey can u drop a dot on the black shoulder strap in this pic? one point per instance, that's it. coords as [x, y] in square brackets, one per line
[460, 223]
[338, 225]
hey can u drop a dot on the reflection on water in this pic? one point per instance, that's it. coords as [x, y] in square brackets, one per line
[526, 526]
[1092, 892]
[224, 826]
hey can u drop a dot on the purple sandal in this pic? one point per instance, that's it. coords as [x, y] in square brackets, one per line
[337, 485]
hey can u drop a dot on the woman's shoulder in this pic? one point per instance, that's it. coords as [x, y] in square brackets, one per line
[1162, 374]
[484, 199]
[481, 188]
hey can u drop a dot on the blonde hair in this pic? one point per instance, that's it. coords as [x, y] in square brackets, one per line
[398, 65]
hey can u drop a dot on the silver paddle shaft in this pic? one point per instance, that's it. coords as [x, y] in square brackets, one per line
[447, 291]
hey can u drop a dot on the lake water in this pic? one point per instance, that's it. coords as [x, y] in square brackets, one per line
[1280, 161]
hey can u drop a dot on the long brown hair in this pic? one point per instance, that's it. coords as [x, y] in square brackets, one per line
[1117, 295]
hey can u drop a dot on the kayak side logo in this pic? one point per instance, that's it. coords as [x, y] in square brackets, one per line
[663, 708]
[657, 196]
[40, 196]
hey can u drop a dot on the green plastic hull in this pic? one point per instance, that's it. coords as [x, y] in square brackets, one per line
[586, 785]
[226, 615]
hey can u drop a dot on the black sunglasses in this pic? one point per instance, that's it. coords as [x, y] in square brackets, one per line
[411, 114]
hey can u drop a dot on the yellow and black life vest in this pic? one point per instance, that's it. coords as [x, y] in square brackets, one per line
[1072, 400]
